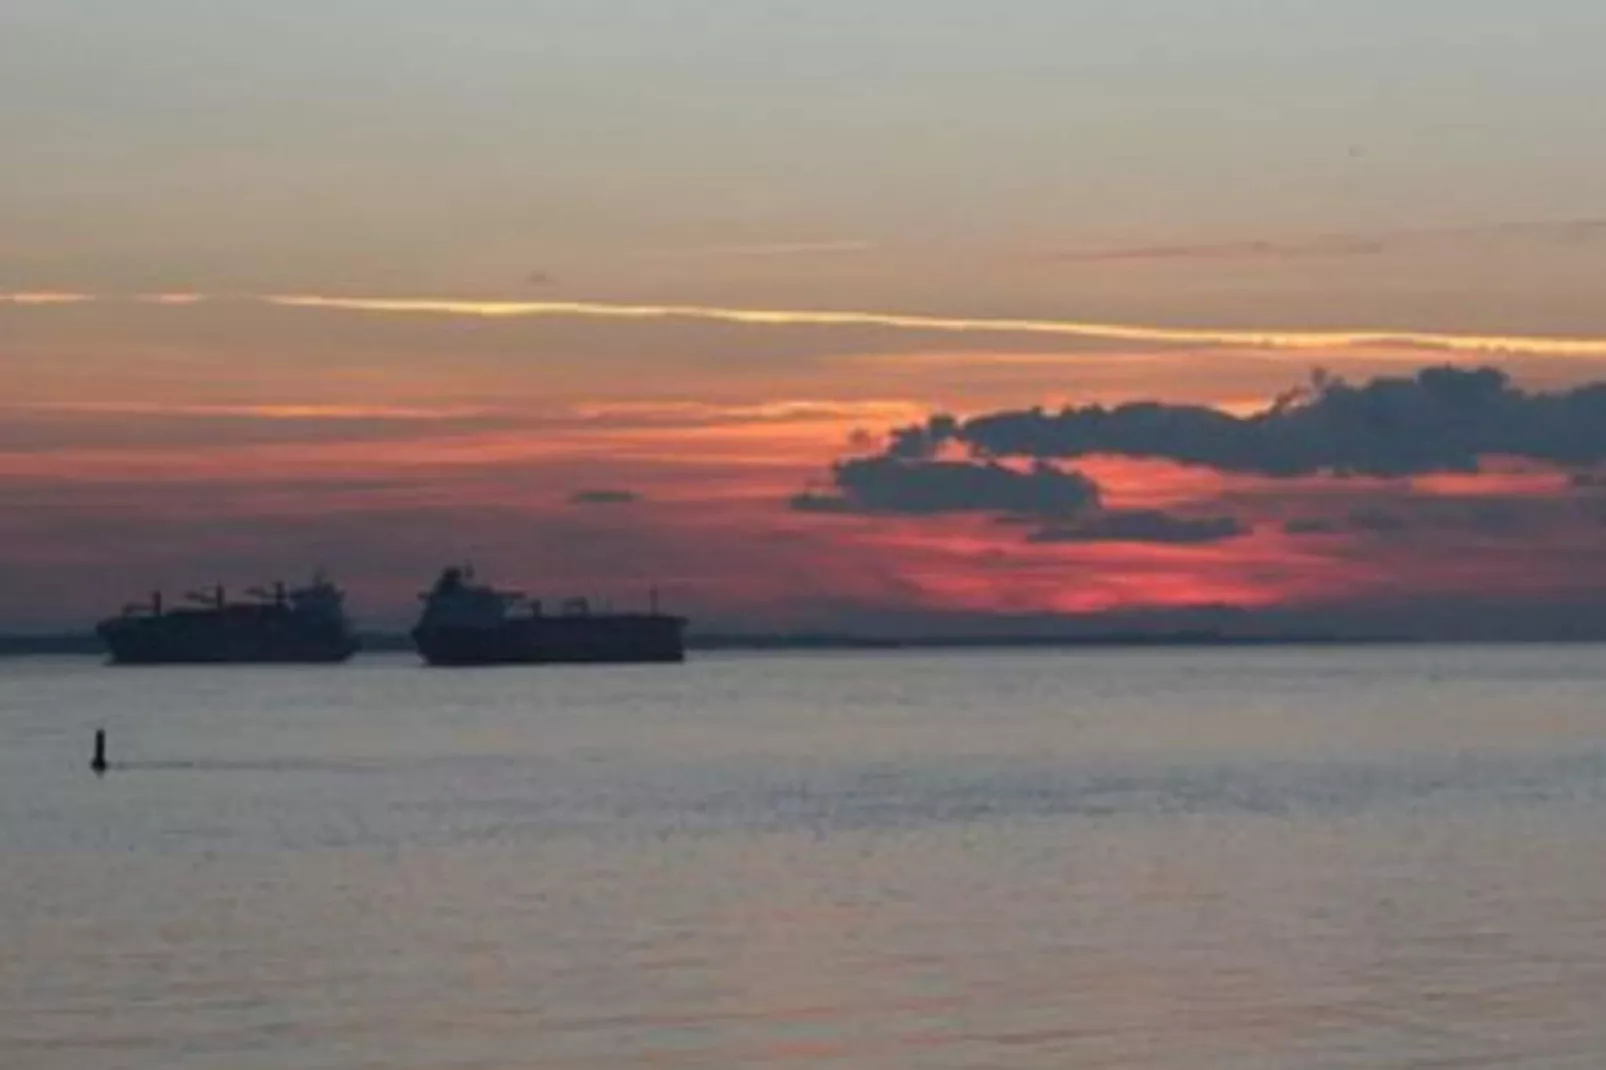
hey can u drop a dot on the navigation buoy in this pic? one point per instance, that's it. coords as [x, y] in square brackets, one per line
[99, 764]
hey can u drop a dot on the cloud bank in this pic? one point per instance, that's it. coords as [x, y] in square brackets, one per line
[1062, 506]
[1440, 420]
[1146, 526]
[892, 485]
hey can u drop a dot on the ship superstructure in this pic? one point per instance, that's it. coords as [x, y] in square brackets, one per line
[276, 624]
[465, 622]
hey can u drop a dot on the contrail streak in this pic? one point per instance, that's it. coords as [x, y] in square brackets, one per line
[1263, 339]
[44, 298]
[1249, 339]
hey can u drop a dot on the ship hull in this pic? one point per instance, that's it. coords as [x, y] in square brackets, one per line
[147, 645]
[620, 639]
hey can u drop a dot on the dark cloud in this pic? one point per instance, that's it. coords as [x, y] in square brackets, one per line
[1314, 526]
[1144, 525]
[604, 497]
[891, 484]
[1443, 419]
[1366, 520]
[923, 440]
[1406, 517]
[862, 440]
[1376, 521]
[1062, 506]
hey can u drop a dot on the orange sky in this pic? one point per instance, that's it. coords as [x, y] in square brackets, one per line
[184, 442]
[293, 285]
[290, 284]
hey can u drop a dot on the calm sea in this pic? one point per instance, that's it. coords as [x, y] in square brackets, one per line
[1312, 859]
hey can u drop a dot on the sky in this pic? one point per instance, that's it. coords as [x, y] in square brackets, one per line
[898, 315]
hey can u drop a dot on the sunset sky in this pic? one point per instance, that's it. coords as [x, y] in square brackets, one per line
[610, 295]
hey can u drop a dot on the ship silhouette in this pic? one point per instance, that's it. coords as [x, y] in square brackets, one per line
[467, 623]
[303, 625]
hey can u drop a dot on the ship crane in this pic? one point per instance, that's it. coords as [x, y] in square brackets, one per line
[277, 595]
[152, 608]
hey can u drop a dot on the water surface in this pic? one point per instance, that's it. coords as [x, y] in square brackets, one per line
[1189, 859]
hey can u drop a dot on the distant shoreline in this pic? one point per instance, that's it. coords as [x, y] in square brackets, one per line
[36, 645]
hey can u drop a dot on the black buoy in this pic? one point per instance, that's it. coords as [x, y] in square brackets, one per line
[99, 764]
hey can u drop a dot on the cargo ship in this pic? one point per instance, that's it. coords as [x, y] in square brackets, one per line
[467, 623]
[277, 625]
